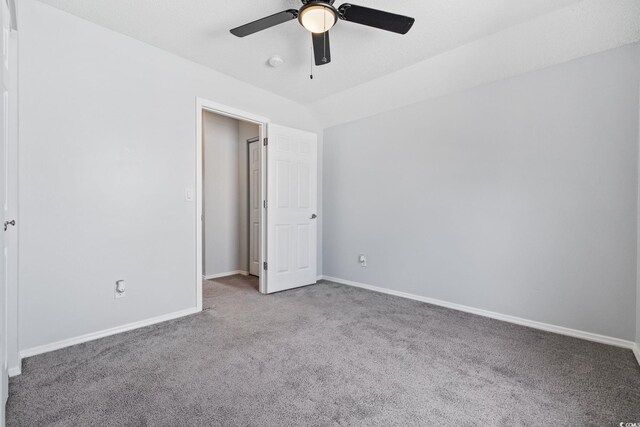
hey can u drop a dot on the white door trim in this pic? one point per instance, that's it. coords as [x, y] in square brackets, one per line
[262, 122]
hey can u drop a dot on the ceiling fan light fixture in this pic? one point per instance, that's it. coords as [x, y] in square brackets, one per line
[318, 17]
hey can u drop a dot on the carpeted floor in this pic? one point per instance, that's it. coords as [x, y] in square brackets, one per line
[327, 355]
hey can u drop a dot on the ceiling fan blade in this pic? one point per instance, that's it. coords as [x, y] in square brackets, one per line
[264, 23]
[321, 50]
[376, 18]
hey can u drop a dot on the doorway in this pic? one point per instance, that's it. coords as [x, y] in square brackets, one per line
[232, 202]
[287, 228]
[208, 107]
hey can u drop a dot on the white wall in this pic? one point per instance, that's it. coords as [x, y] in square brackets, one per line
[222, 225]
[107, 148]
[517, 197]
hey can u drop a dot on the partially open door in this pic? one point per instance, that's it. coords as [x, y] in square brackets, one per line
[292, 176]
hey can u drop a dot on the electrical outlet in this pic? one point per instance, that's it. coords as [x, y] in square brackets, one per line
[362, 259]
[120, 290]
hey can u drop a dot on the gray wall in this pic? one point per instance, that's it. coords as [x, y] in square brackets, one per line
[225, 189]
[222, 199]
[107, 148]
[518, 197]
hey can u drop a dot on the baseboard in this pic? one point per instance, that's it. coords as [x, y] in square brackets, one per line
[318, 278]
[104, 333]
[498, 316]
[228, 273]
[15, 371]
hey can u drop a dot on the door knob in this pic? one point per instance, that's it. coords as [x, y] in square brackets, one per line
[314, 216]
[8, 223]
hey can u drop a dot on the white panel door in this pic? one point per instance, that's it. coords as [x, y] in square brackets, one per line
[11, 191]
[255, 208]
[4, 134]
[292, 165]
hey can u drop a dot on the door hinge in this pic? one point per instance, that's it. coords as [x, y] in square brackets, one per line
[264, 264]
[265, 142]
[264, 203]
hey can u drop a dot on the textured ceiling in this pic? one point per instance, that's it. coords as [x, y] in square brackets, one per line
[199, 30]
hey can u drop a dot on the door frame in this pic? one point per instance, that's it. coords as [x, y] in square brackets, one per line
[203, 105]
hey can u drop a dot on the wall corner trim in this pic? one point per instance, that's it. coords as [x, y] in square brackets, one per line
[589, 336]
[636, 352]
[104, 333]
[15, 371]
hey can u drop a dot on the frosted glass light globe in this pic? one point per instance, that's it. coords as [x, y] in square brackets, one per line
[318, 18]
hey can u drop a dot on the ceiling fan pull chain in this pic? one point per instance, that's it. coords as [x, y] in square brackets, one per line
[311, 63]
[324, 47]
[324, 39]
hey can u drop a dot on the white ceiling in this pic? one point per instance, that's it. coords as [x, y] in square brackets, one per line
[581, 29]
[199, 30]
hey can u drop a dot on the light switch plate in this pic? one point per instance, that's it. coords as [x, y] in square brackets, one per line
[362, 259]
[120, 290]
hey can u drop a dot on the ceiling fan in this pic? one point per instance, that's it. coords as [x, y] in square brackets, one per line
[318, 16]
